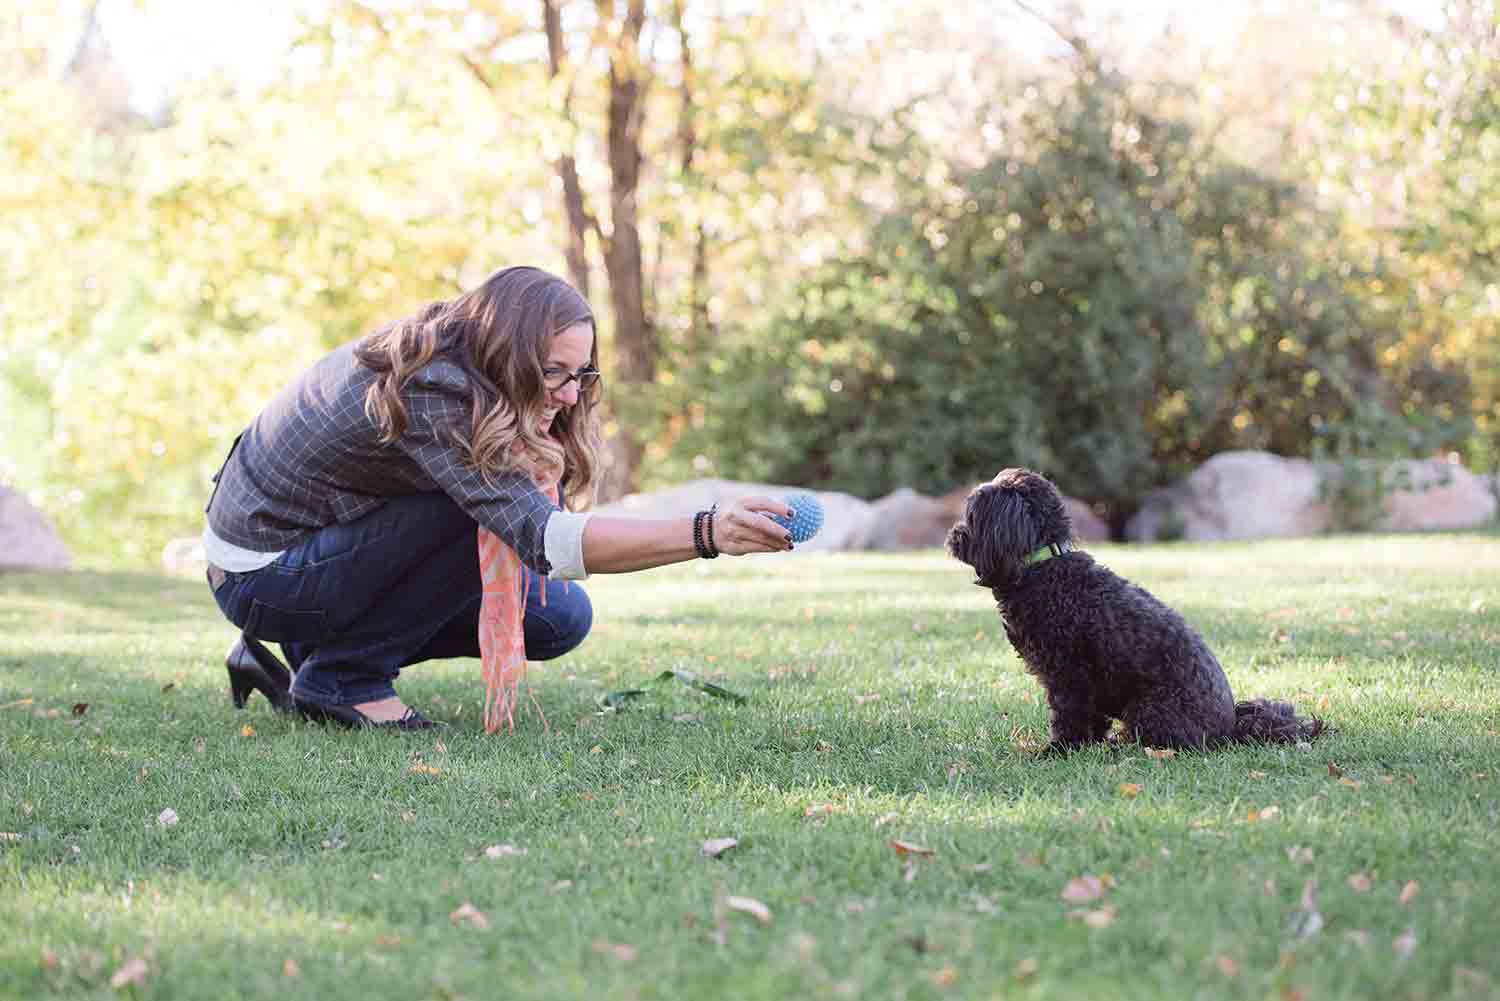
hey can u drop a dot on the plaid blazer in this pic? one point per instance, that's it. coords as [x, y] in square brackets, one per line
[313, 458]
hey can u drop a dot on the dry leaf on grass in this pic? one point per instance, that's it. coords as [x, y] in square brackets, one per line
[132, 971]
[247, 730]
[79, 708]
[289, 968]
[750, 906]
[470, 915]
[1083, 888]
[1227, 966]
[714, 847]
[1130, 790]
[1409, 891]
[1360, 883]
[618, 950]
[1161, 753]
[503, 851]
[907, 848]
[1025, 969]
[1099, 917]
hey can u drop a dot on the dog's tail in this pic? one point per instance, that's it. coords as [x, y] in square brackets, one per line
[1261, 721]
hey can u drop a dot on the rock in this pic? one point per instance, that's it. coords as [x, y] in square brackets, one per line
[1257, 495]
[1236, 495]
[28, 539]
[184, 556]
[1087, 526]
[1431, 495]
[905, 519]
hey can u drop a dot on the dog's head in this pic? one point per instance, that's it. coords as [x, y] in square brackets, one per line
[1005, 521]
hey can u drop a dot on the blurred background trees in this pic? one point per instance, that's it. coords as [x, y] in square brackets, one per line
[843, 245]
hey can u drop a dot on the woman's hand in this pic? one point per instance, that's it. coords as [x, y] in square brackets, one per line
[744, 527]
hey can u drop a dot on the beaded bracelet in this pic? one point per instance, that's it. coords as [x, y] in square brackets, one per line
[708, 522]
[699, 544]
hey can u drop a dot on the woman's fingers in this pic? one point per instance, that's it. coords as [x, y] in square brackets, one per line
[744, 527]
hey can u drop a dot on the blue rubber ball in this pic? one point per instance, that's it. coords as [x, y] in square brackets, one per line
[806, 519]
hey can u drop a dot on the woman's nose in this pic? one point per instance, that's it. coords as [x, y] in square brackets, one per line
[567, 395]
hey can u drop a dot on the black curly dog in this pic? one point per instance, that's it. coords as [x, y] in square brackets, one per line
[1102, 647]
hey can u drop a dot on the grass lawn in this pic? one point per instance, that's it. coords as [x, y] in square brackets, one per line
[153, 836]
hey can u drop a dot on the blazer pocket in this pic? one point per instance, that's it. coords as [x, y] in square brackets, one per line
[281, 625]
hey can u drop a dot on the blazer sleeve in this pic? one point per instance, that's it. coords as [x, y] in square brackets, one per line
[510, 505]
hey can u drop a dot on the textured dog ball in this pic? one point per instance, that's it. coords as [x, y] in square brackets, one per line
[806, 519]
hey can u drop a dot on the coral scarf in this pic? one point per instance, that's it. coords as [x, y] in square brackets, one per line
[502, 638]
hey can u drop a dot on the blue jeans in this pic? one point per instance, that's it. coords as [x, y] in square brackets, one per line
[354, 604]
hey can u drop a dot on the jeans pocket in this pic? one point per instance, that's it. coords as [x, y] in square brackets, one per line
[281, 625]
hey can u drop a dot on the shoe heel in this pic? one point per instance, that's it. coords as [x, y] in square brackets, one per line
[239, 688]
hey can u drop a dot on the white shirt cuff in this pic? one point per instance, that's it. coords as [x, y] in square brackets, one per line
[563, 542]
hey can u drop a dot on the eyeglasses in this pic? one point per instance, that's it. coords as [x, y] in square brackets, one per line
[558, 378]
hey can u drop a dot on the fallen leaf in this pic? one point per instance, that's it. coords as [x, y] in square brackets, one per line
[471, 915]
[1161, 753]
[596, 749]
[289, 968]
[907, 848]
[821, 809]
[1254, 774]
[860, 700]
[1083, 888]
[79, 708]
[1409, 891]
[714, 847]
[946, 977]
[1351, 783]
[1100, 917]
[247, 730]
[1227, 966]
[1129, 789]
[133, 971]
[1360, 883]
[750, 906]
[166, 818]
[618, 950]
[1334, 770]
[503, 851]
[1025, 969]
[18, 703]
[421, 769]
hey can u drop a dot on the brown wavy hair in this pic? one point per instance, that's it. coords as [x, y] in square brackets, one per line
[499, 333]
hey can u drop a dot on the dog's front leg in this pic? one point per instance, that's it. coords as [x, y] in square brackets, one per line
[1074, 722]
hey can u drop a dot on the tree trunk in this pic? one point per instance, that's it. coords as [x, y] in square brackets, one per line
[579, 223]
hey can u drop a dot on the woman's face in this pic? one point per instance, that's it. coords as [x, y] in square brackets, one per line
[568, 353]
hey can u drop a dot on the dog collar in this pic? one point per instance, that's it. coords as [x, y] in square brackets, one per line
[1048, 551]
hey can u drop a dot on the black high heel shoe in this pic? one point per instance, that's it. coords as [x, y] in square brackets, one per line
[253, 667]
[348, 716]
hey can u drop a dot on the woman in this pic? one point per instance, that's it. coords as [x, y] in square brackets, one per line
[343, 523]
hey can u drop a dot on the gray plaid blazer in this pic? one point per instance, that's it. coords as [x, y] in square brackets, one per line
[312, 458]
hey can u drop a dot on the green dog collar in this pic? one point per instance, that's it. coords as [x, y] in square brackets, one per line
[1048, 551]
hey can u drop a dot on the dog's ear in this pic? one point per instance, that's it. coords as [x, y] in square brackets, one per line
[995, 536]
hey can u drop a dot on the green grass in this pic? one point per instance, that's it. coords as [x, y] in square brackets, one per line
[884, 704]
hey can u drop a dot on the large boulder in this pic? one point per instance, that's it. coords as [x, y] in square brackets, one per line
[28, 539]
[1429, 495]
[1236, 495]
[1257, 495]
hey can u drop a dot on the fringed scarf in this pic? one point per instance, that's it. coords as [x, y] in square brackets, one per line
[502, 638]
